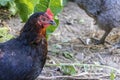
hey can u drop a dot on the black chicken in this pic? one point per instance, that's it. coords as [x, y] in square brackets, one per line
[106, 13]
[23, 58]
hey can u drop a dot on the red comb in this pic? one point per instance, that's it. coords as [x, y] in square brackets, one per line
[49, 13]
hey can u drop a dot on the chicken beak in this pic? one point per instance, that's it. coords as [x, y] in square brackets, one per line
[52, 22]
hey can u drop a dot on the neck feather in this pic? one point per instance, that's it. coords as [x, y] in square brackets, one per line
[32, 34]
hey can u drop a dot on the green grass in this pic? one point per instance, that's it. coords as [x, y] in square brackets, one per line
[4, 34]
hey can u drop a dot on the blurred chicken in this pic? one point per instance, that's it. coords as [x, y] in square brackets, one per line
[106, 13]
[23, 58]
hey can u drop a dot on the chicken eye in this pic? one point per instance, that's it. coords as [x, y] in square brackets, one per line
[43, 19]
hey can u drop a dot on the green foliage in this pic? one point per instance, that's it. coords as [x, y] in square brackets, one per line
[112, 76]
[68, 70]
[65, 2]
[10, 4]
[4, 35]
[41, 6]
[23, 11]
[5, 2]
[51, 29]
[25, 8]
[12, 8]
[68, 55]
[55, 6]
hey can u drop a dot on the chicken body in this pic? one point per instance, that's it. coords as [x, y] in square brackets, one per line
[106, 13]
[23, 58]
[19, 61]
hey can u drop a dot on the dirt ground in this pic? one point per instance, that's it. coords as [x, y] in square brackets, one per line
[71, 44]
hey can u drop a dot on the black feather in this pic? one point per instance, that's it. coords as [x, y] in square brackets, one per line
[19, 58]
